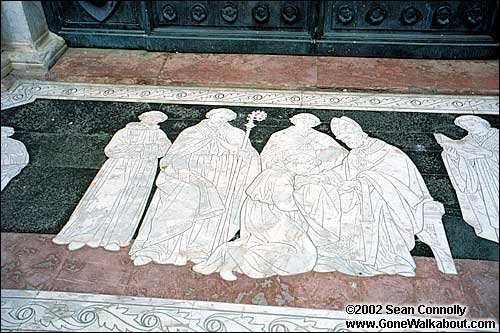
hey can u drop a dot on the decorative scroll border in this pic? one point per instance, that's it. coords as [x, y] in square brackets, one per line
[24, 310]
[23, 92]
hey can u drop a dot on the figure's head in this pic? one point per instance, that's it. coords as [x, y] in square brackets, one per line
[472, 124]
[7, 131]
[348, 131]
[305, 120]
[221, 115]
[301, 163]
[152, 117]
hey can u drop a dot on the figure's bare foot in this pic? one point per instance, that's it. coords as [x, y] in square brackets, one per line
[112, 247]
[228, 275]
[75, 246]
[142, 260]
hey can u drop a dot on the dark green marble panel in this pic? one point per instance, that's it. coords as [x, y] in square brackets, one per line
[66, 139]
[377, 121]
[418, 142]
[22, 216]
[72, 117]
[465, 244]
[65, 150]
[48, 185]
[442, 190]
[429, 163]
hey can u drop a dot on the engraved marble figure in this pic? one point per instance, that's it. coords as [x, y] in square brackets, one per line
[200, 191]
[287, 209]
[14, 156]
[385, 203]
[358, 215]
[110, 210]
[472, 165]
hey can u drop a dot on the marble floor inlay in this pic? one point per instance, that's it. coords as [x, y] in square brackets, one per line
[23, 92]
[24, 310]
[472, 163]
[14, 156]
[111, 208]
[242, 184]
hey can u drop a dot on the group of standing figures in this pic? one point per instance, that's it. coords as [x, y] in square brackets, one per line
[304, 204]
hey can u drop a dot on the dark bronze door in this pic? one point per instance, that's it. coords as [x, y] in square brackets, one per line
[417, 29]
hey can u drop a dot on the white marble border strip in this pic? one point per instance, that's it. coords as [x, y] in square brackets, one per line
[23, 92]
[24, 310]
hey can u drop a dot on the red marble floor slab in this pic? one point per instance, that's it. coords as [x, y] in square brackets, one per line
[277, 72]
[99, 271]
[266, 71]
[136, 66]
[29, 261]
[409, 76]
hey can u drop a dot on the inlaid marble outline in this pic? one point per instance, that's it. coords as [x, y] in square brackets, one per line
[27, 91]
[15, 156]
[62, 311]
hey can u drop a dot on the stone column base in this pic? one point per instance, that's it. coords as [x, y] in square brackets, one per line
[31, 60]
[6, 65]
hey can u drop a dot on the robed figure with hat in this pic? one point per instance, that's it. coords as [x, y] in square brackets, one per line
[110, 210]
[200, 190]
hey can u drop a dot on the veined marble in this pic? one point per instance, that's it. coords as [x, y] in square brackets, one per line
[23, 92]
[201, 188]
[14, 156]
[24, 310]
[111, 208]
[472, 164]
[317, 207]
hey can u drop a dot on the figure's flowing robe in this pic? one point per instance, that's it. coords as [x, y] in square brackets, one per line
[192, 214]
[294, 140]
[474, 175]
[285, 215]
[274, 237]
[379, 219]
[111, 208]
[14, 158]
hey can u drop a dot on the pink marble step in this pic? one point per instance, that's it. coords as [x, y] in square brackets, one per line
[279, 72]
[32, 261]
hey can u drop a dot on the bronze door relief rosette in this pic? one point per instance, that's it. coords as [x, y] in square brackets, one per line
[345, 14]
[260, 13]
[169, 13]
[376, 15]
[198, 13]
[410, 16]
[229, 12]
[289, 13]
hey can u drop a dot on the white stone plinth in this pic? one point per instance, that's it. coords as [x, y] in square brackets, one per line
[28, 47]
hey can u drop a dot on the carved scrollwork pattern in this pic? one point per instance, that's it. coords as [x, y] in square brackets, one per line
[28, 91]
